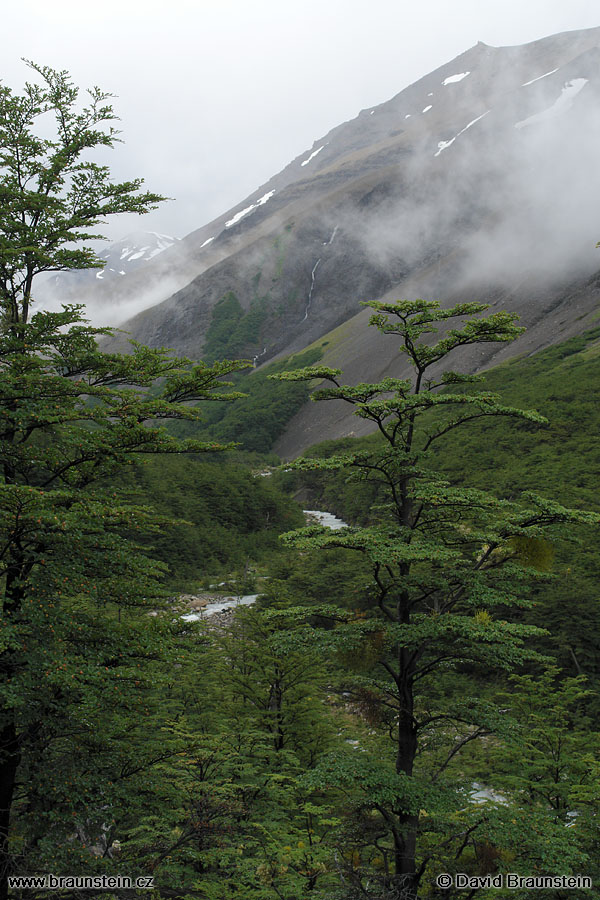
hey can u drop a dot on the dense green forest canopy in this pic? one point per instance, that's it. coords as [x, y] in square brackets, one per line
[454, 572]
[560, 459]
[230, 516]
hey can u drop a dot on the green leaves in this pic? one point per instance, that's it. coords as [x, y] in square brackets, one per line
[51, 195]
[92, 648]
[412, 319]
[308, 374]
[452, 568]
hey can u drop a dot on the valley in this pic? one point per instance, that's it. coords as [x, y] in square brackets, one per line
[306, 605]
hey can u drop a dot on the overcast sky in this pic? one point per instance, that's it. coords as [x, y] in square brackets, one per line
[216, 96]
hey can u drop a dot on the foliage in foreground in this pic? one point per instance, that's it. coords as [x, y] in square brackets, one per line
[558, 459]
[80, 658]
[451, 569]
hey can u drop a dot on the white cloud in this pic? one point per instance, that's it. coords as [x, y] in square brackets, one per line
[191, 77]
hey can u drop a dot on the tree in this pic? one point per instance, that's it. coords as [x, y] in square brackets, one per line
[78, 652]
[548, 762]
[275, 682]
[51, 196]
[268, 699]
[450, 568]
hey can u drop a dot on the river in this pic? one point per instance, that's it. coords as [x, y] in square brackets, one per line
[324, 518]
[217, 606]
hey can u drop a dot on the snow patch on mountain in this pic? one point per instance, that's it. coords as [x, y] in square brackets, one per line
[96, 287]
[560, 105]
[443, 145]
[313, 154]
[454, 79]
[244, 212]
[539, 78]
[144, 246]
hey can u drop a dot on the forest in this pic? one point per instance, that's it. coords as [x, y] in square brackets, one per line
[407, 712]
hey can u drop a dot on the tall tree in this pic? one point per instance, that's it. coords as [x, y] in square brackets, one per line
[75, 634]
[52, 196]
[450, 567]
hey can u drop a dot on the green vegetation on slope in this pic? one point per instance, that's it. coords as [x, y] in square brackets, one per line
[270, 758]
[455, 593]
[233, 333]
[258, 419]
[226, 516]
[561, 458]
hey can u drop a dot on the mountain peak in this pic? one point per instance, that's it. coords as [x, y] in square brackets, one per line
[98, 287]
[477, 182]
[136, 247]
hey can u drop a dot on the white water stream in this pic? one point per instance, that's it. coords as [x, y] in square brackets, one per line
[312, 287]
[333, 234]
[257, 357]
[219, 606]
[324, 518]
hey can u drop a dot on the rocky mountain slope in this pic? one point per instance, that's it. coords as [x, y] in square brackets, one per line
[478, 181]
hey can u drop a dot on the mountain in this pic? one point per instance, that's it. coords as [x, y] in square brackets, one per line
[98, 287]
[132, 252]
[479, 181]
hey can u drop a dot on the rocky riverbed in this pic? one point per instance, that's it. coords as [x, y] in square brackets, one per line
[220, 607]
[204, 606]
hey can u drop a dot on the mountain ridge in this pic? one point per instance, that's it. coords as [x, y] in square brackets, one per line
[476, 181]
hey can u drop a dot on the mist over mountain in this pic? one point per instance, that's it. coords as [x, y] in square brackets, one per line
[99, 288]
[479, 181]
